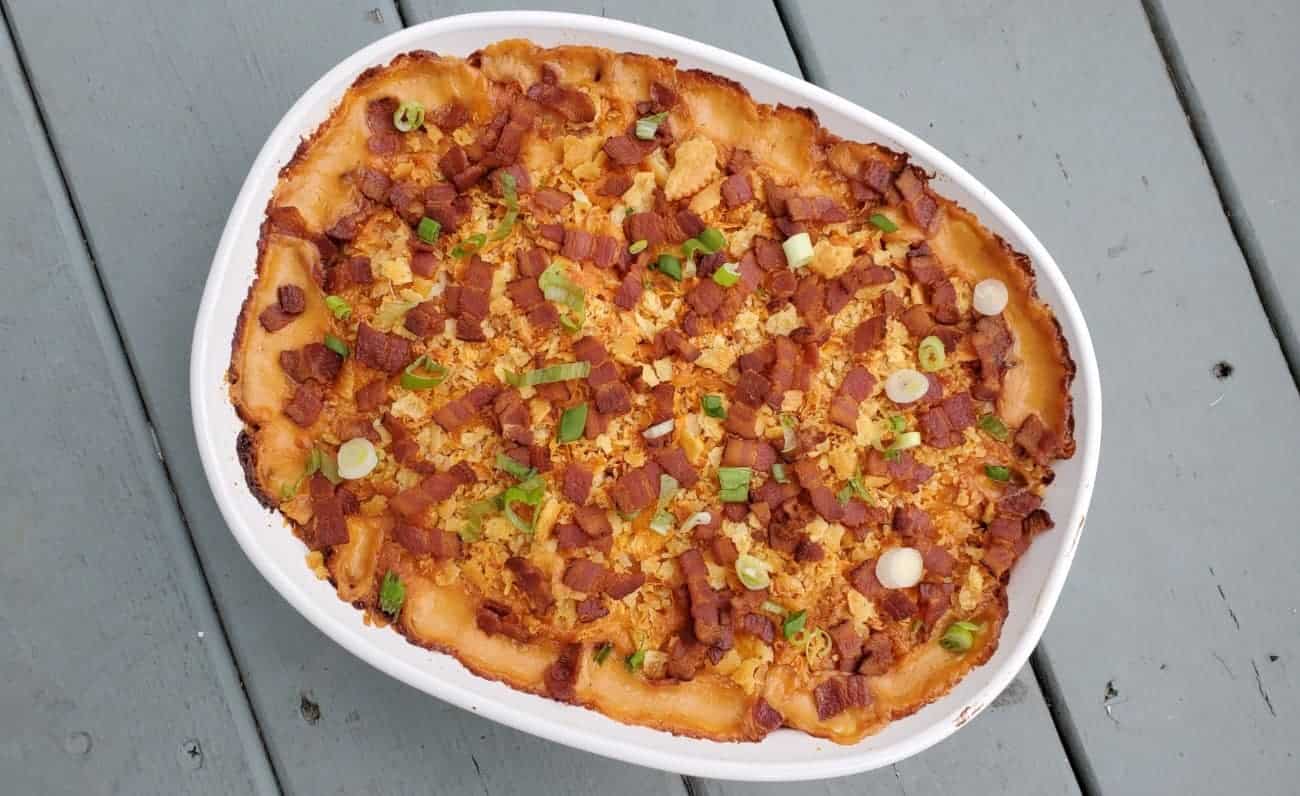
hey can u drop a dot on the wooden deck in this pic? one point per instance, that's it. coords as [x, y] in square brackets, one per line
[1154, 147]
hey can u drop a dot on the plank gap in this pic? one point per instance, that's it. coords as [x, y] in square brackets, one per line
[224, 656]
[1225, 186]
[1066, 729]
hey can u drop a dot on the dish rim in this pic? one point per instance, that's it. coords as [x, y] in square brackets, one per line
[211, 352]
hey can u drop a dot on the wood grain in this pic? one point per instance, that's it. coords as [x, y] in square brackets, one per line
[116, 676]
[1178, 626]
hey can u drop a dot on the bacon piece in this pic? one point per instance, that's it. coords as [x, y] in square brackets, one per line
[613, 398]
[736, 190]
[897, 605]
[705, 605]
[372, 396]
[858, 383]
[765, 717]
[839, 694]
[306, 404]
[495, 618]
[848, 645]
[591, 609]
[810, 299]
[758, 626]
[533, 583]
[372, 184]
[578, 244]
[674, 462]
[623, 150]
[450, 116]
[808, 551]
[877, 655]
[770, 255]
[636, 489]
[584, 576]
[620, 584]
[645, 226]
[425, 320]
[614, 185]
[752, 388]
[705, 297]
[523, 180]
[933, 600]
[674, 342]
[912, 522]
[630, 289]
[576, 483]
[999, 559]
[532, 262]
[291, 298]
[440, 544]
[455, 414]
[938, 561]
[1038, 441]
[944, 299]
[328, 527]
[741, 421]
[724, 550]
[819, 209]
[1019, 503]
[926, 269]
[605, 252]
[381, 351]
[273, 318]
[384, 138]
[561, 677]
[569, 536]
[690, 223]
[314, 362]
[572, 104]
[868, 334]
[593, 521]
[936, 431]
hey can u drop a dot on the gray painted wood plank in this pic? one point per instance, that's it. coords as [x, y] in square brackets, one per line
[116, 677]
[1176, 639]
[159, 110]
[1238, 64]
[966, 759]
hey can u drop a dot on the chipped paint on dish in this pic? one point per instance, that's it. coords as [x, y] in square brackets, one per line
[784, 755]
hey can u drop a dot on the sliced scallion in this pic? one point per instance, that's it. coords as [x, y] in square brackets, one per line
[733, 483]
[930, 354]
[698, 518]
[357, 458]
[602, 652]
[423, 374]
[753, 572]
[997, 472]
[727, 275]
[556, 286]
[959, 636]
[469, 245]
[662, 522]
[567, 371]
[339, 307]
[897, 424]
[638, 246]
[646, 126]
[514, 467]
[713, 406]
[336, 345]
[392, 593]
[528, 493]
[994, 427]
[428, 230]
[773, 608]
[509, 191]
[881, 222]
[669, 266]
[778, 473]
[712, 240]
[573, 422]
[794, 624]
[788, 425]
[798, 250]
[635, 661]
[408, 116]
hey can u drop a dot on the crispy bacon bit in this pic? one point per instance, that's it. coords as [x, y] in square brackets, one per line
[705, 297]
[274, 318]
[533, 583]
[593, 521]
[685, 656]
[495, 618]
[328, 527]
[758, 626]
[425, 320]
[306, 405]
[613, 398]
[636, 489]
[938, 561]
[839, 694]
[532, 262]
[808, 551]
[630, 289]
[736, 190]
[934, 600]
[674, 342]
[576, 483]
[999, 558]
[741, 421]
[674, 462]
[620, 584]
[373, 184]
[450, 116]
[578, 244]
[647, 226]
[574, 105]
[848, 645]
[614, 185]
[818, 209]
[561, 677]
[765, 717]
[705, 603]
[878, 655]
[458, 413]
[1038, 441]
[770, 255]
[384, 138]
[381, 351]
[292, 299]
[552, 200]
[624, 150]
[591, 609]
[314, 362]
[724, 550]
[584, 576]
[523, 180]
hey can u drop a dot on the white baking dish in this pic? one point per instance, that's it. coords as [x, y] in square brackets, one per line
[784, 755]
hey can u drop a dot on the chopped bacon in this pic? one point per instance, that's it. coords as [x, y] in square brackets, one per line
[724, 550]
[373, 184]
[868, 334]
[578, 244]
[513, 419]
[646, 226]
[877, 655]
[876, 174]
[776, 196]
[523, 181]
[898, 605]
[533, 583]
[705, 297]
[613, 398]
[858, 383]
[1038, 441]
[705, 604]
[991, 341]
[752, 388]
[770, 255]
[620, 584]
[741, 421]
[532, 262]
[765, 717]
[561, 677]
[999, 558]
[810, 299]
[630, 289]
[314, 362]
[442, 545]
[381, 351]
[424, 263]
[456, 414]
[495, 618]
[450, 116]
[819, 209]
[572, 104]
[926, 270]
[425, 320]
[1018, 503]
[839, 694]
[674, 462]
[291, 298]
[328, 527]
[690, 223]
[584, 576]
[736, 190]
[673, 341]
[624, 150]
[918, 320]
[591, 609]
[848, 645]
[944, 299]
[274, 318]
[685, 656]
[858, 515]
[606, 251]
[614, 185]
[576, 483]
[758, 626]
[936, 431]
[938, 561]
[912, 522]
[636, 489]
[809, 550]
[306, 404]
[384, 138]
[552, 200]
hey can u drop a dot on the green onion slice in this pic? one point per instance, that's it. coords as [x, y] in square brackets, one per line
[794, 624]
[474, 516]
[669, 266]
[994, 427]
[881, 222]
[930, 354]
[753, 572]
[713, 406]
[773, 608]
[727, 275]
[698, 518]
[690, 247]
[510, 192]
[997, 472]
[602, 652]
[646, 126]
[798, 250]
[529, 493]
[572, 423]
[514, 467]
[567, 371]
[428, 230]
[408, 116]
[711, 240]
[817, 646]
[556, 286]
[423, 374]
[959, 636]
[339, 307]
[898, 424]
[392, 593]
[778, 473]
[635, 661]
[788, 425]
[734, 484]
[844, 494]
[336, 345]
[906, 440]
[468, 246]
[329, 467]
[662, 522]
[638, 246]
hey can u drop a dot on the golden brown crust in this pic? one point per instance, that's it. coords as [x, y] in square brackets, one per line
[787, 145]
